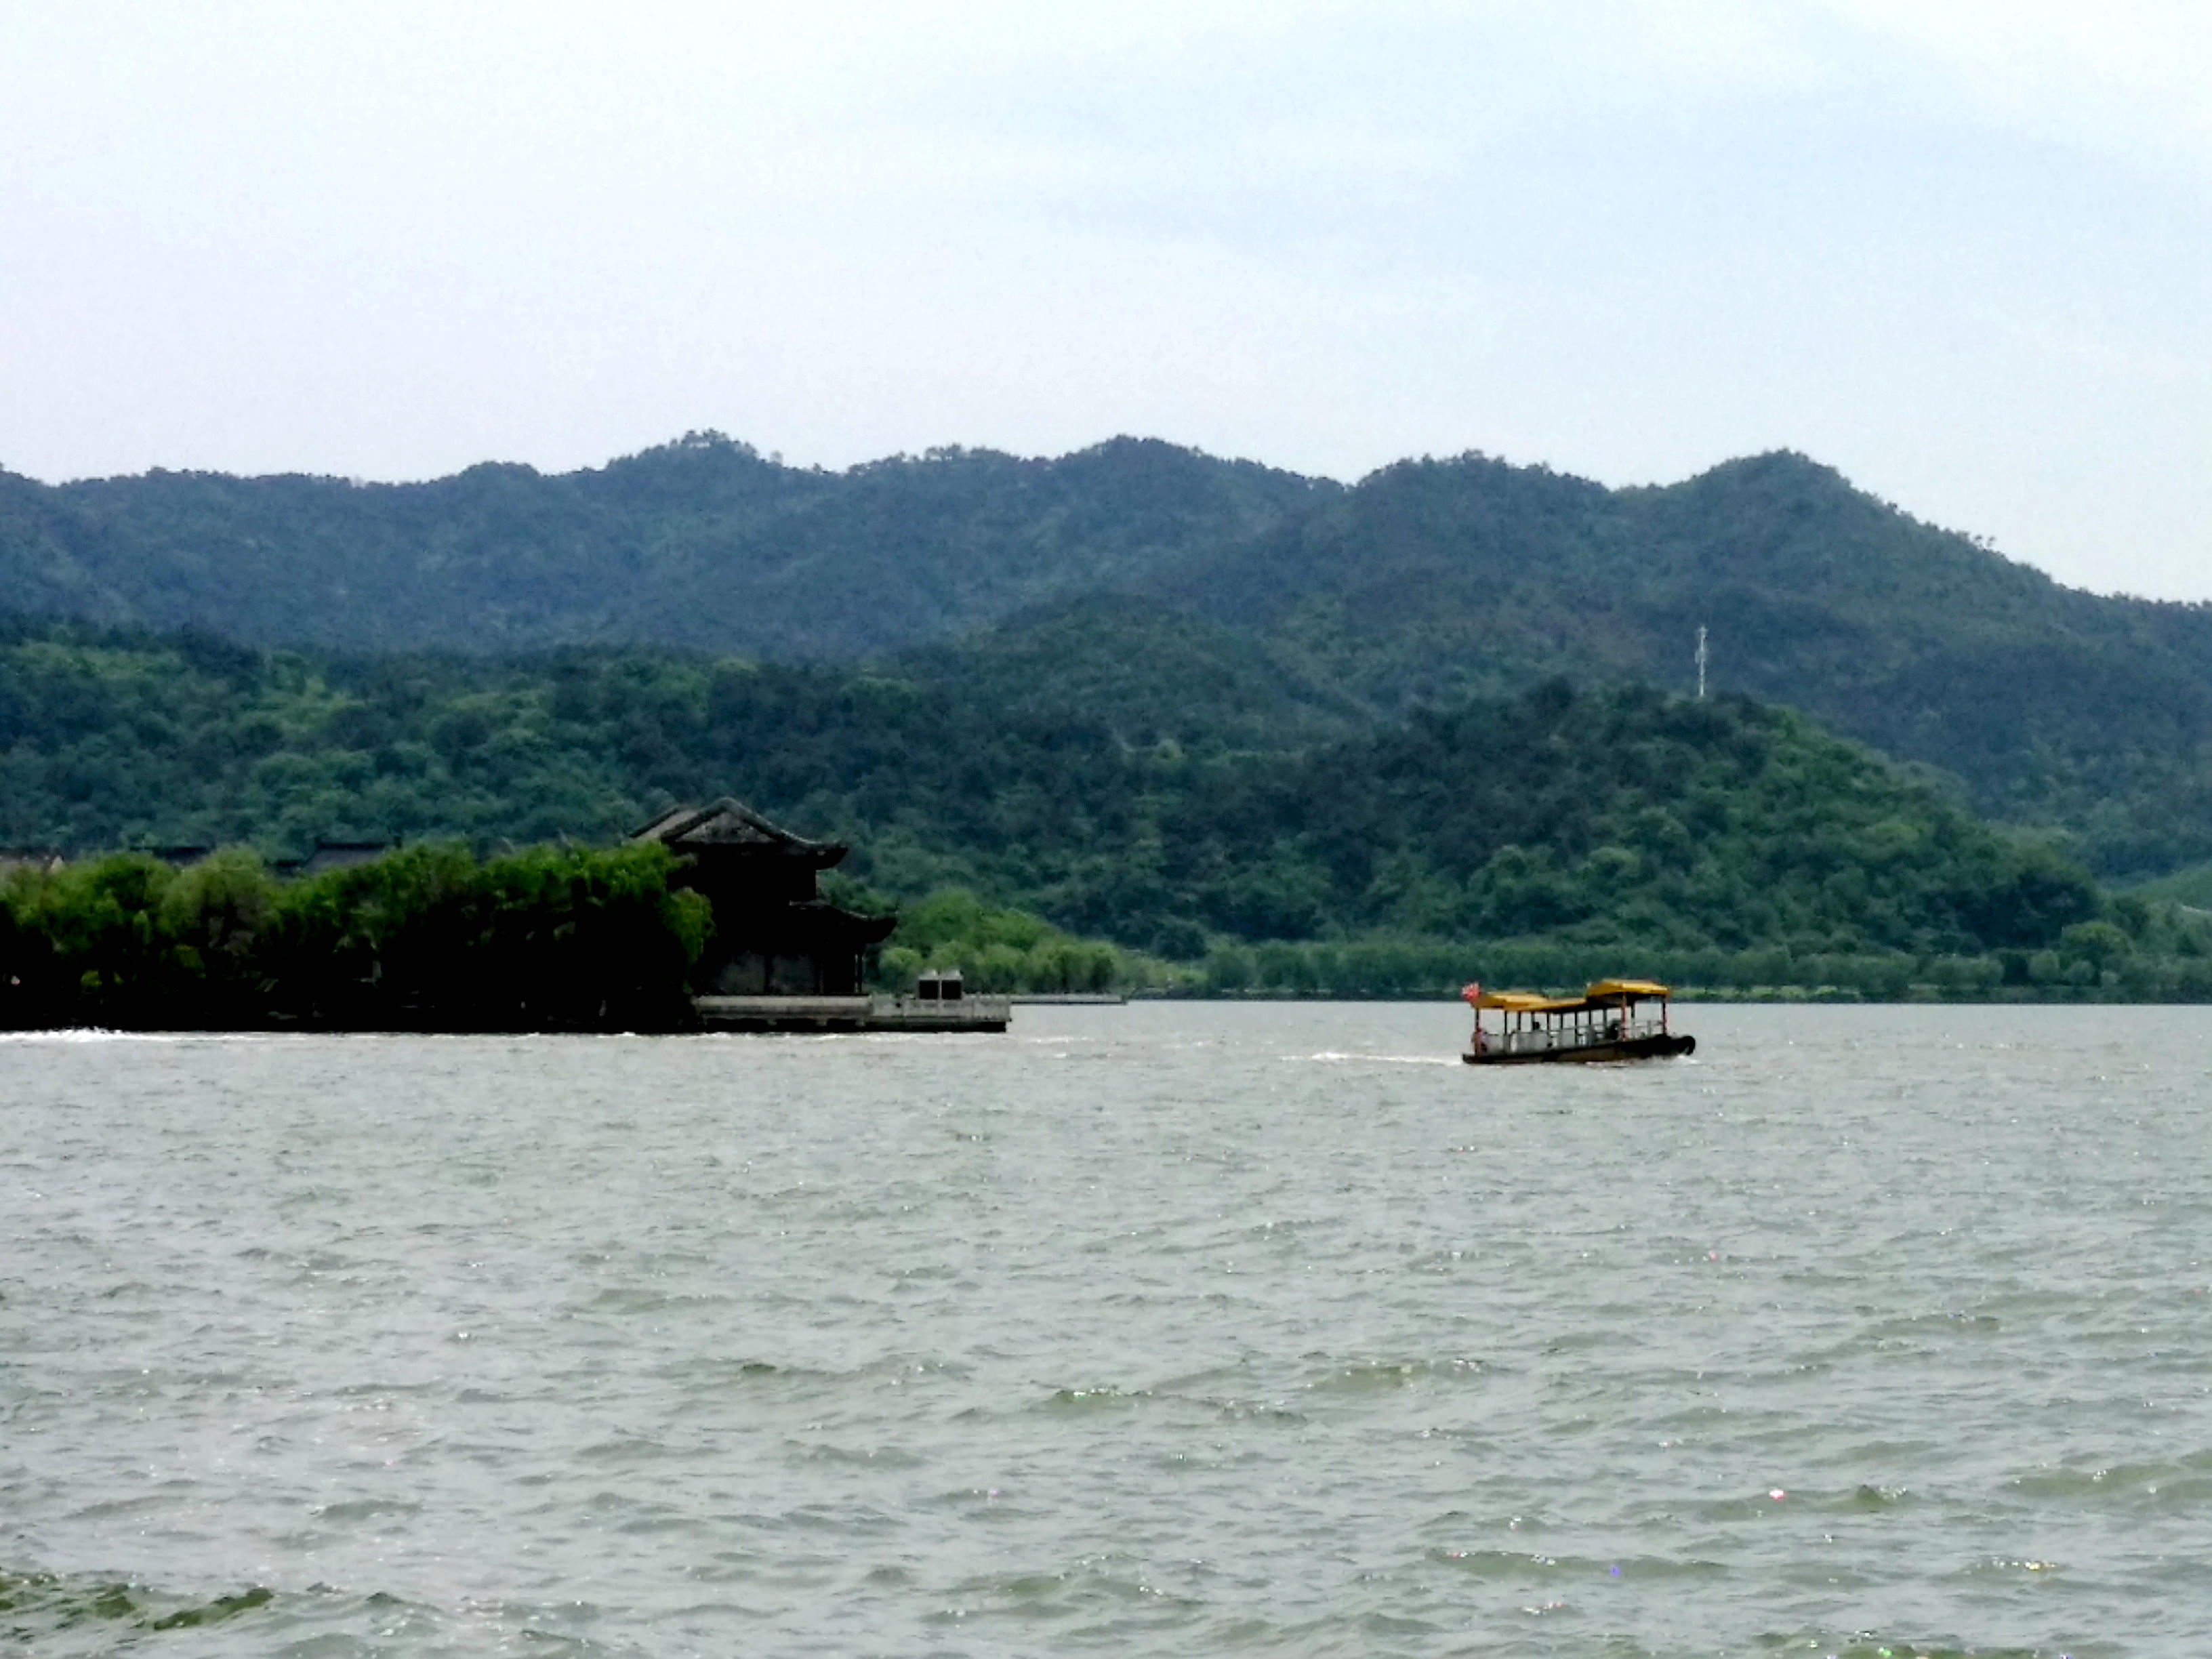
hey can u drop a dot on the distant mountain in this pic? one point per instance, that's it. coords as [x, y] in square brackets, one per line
[702, 542]
[1170, 594]
[1434, 578]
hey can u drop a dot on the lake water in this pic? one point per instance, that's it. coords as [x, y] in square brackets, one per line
[1184, 1329]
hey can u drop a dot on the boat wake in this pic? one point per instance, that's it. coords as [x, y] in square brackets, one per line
[102, 1034]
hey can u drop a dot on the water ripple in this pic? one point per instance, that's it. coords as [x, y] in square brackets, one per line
[1169, 1330]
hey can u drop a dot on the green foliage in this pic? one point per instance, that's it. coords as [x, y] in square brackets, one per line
[1177, 601]
[1611, 820]
[702, 542]
[1390, 966]
[427, 939]
[1002, 949]
[1617, 815]
[2055, 708]
[2192, 887]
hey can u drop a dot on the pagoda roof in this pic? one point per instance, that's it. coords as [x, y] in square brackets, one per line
[730, 823]
[846, 927]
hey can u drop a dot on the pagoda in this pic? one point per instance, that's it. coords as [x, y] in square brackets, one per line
[774, 934]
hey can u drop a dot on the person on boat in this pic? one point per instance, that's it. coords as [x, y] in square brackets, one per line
[1472, 995]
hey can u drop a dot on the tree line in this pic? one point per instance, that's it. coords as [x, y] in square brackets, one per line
[427, 939]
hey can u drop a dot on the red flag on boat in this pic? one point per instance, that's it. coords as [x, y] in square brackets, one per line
[1471, 994]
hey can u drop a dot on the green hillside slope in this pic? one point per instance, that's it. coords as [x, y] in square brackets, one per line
[1432, 579]
[1153, 587]
[1590, 816]
[700, 542]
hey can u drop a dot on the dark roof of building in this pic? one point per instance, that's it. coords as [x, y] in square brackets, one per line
[845, 926]
[342, 854]
[728, 822]
[182, 855]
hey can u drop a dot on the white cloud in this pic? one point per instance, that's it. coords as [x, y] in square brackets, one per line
[2128, 76]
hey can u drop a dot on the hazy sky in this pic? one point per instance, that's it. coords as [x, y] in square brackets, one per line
[1961, 249]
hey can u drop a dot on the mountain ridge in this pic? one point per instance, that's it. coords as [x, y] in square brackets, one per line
[700, 542]
[1293, 608]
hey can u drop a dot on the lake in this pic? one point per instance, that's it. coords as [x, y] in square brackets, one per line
[1177, 1328]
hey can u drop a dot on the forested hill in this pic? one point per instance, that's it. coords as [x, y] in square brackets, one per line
[702, 542]
[1182, 594]
[1620, 817]
[2054, 705]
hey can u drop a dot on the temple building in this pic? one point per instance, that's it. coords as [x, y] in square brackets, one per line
[774, 934]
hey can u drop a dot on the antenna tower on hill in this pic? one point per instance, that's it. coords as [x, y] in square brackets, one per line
[1701, 664]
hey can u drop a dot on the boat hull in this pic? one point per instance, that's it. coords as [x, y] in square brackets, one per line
[1645, 1047]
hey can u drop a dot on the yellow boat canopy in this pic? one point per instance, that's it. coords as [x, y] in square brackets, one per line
[1603, 993]
[1525, 1002]
[1635, 990]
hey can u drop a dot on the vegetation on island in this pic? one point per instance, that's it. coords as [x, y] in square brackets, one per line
[1000, 949]
[427, 938]
[430, 937]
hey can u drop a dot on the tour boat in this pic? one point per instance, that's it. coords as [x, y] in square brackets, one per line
[1609, 1021]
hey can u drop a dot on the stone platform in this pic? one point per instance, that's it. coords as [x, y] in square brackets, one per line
[868, 1014]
